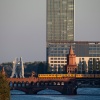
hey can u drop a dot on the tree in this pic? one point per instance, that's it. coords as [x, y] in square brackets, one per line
[4, 87]
[40, 68]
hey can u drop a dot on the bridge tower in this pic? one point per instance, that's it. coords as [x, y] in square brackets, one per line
[71, 62]
[3, 71]
[18, 65]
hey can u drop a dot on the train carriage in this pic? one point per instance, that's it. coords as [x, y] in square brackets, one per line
[97, 76]
[84, 75]
[45, 76]
[52, 76]
[70, 75]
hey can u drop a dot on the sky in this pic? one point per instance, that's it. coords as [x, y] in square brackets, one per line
[23, 27]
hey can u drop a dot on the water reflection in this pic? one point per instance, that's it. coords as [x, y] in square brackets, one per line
[15, 92]
[88, 91]
[48, 91]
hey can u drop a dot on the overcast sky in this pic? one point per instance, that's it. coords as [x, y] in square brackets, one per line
[23, 27]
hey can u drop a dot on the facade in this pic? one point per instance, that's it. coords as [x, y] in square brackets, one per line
[88, 64]
[60, 20]
[86, 53]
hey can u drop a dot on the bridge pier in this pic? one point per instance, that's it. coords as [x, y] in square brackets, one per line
[69, 89]
[30, 92]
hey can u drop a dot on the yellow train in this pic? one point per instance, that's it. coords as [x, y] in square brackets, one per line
[52, 76]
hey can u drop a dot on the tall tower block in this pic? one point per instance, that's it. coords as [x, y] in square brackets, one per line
[60, 20]
[71, 61]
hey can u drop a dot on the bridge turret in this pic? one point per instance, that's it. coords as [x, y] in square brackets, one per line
[3, 71]
[71, 61]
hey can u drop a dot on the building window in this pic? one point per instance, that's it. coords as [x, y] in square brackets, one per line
[62, 61]
[51, 61]
[58, 61]
[51, 58]
[55, 61]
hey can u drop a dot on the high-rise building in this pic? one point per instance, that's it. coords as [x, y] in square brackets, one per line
[60, 20]
[60, 25]
[60, 36]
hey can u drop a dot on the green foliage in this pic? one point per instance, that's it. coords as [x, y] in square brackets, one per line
[37, 67]
[7, 64]
[4, 88]
[41, 68]
[8, 68]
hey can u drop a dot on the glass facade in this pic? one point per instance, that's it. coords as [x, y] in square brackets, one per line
[81, 49]
[60, 20]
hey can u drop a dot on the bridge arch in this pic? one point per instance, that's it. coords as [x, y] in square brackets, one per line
[22, 84]
[11, 84]
[19, 84]
[14, 84]
[26, 83]
[19, 89]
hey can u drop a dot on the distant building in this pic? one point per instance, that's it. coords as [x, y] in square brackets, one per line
[60, 20]
[85, 53]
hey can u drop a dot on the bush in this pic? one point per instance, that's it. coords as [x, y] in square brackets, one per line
[4, 88]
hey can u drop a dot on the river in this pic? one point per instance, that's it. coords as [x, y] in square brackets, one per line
[83, 94]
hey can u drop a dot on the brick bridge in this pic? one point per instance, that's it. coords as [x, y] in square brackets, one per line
[32, 85]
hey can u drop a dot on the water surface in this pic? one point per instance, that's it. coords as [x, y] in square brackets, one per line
[83, 94]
